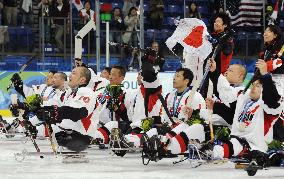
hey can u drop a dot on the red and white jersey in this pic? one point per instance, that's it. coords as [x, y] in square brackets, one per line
[253, 120]
[102, 113]
[138, 105]
[176, 104]
[83, 97]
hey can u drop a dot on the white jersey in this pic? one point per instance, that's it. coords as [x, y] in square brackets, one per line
[218, 120]
[154, 105]
[83, 97]
[253, 120]
[43, 90]
[102, 113]
[176, 104]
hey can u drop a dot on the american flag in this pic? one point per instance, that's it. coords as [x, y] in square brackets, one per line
[245, 12]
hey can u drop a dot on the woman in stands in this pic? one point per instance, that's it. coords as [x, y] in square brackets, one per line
[273, 42]
[193, 11]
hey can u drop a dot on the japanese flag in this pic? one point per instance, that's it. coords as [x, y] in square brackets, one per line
[191, 36]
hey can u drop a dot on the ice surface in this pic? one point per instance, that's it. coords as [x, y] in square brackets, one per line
[104, 165]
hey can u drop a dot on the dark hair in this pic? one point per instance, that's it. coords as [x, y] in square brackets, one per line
[121, 70]
[52, 71]
[187, 74]
[107, 69]
[88, 2]
[86, 73]
[225, 18]
[129, 12]
[189, 8]
[154, 42]
[63, 75]
[277, 31]
[118, 9]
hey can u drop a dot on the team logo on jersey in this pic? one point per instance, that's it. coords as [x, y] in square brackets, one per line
[246, 118]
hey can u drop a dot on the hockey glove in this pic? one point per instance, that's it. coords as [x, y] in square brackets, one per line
[18, 84]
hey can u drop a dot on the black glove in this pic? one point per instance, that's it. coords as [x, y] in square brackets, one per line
[18, 84]
[54, 114]
[48, 114]
[14, 110]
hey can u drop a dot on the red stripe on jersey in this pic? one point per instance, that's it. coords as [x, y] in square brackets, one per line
[104, 133]
[268, 119]
[181, 143]
[45, 131]
[87, 122]
[226, 150]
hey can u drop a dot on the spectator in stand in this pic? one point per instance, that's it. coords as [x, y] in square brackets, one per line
[44, 11]
[60, 10]
[10, 12]
[1, 12]
[117, 26]
[87, 13]
[160, 57]
[193, 11]
[131, 21]
[156, 13]
[127, 5]
[130, 37]
[26, 11]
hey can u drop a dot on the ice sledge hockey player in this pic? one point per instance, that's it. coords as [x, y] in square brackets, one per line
[221, 117]
[58, 86]
[97, 83]
[112, 107]
[74, 117]
[174, 104]
[222, 114]
[45, 91]
[146, 102]
[256, 111]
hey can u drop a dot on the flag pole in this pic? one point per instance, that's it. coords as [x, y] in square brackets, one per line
[98, 34]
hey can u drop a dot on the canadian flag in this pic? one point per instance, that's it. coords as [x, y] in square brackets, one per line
[78, 4]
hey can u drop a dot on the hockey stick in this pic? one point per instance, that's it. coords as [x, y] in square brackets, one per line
[22, 69]
[50, 137]
[257, 72]
[166, 109]
[23, 117]
[209, 95]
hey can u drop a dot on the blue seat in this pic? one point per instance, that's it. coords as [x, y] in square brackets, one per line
[165, 33]
[203, 10]
[170, 21]
[173, 9]
[281, 24]
[146, 7]
[151, 33]
[120, 5]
